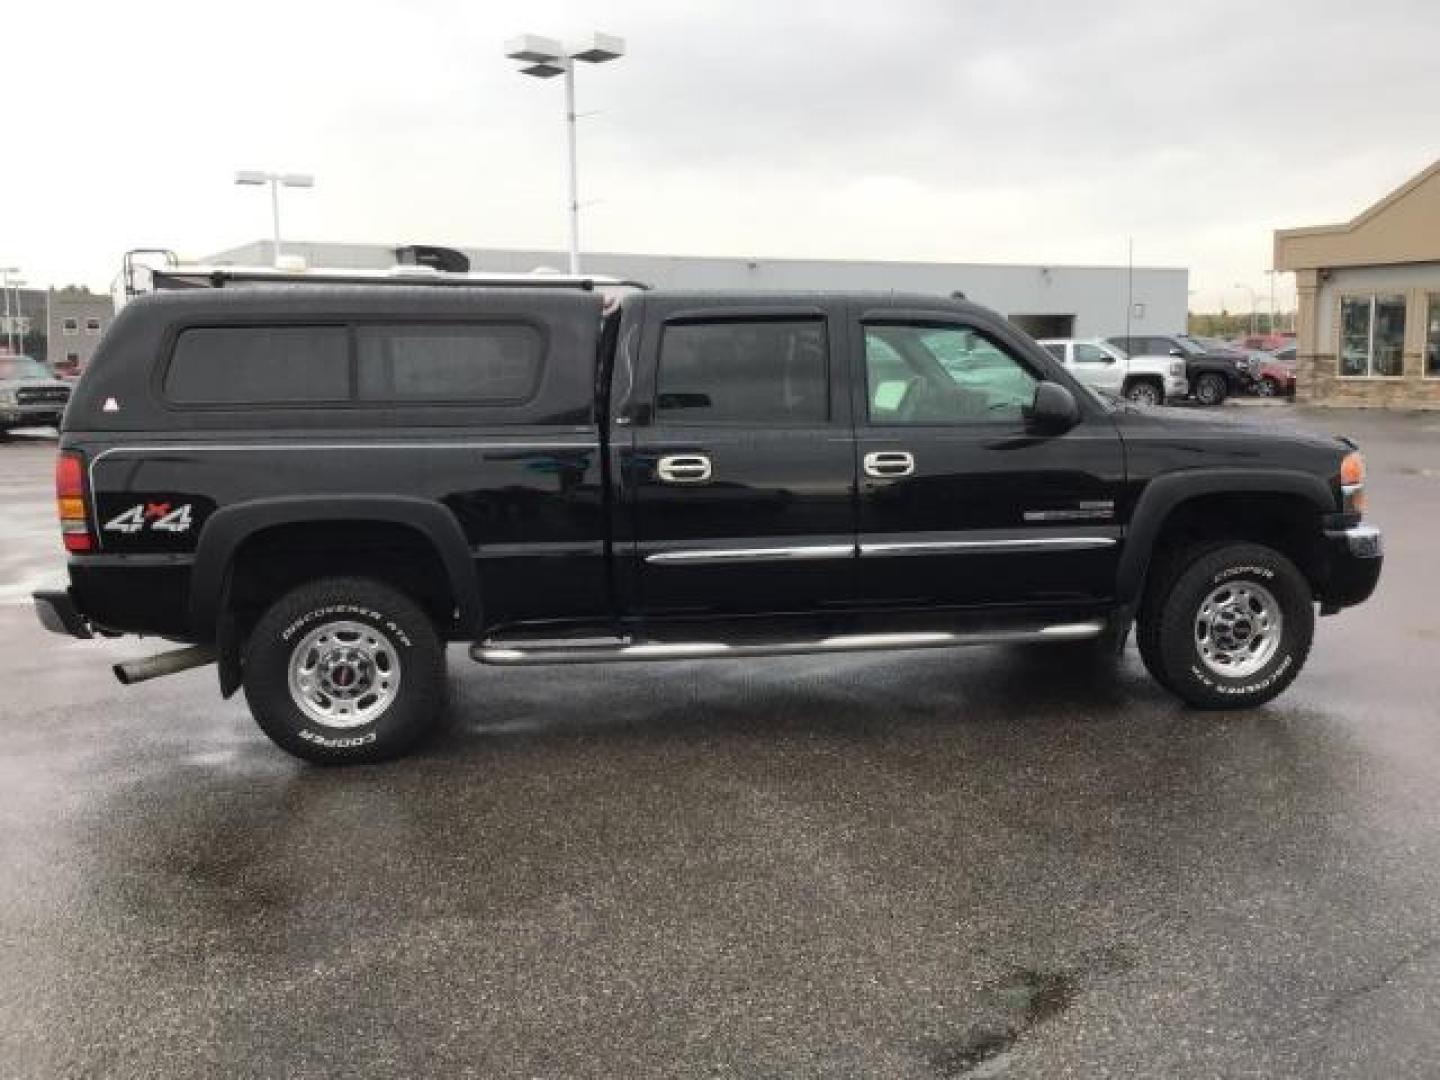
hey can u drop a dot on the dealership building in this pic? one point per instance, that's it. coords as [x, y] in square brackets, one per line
[1368, 320]
[1046, 301]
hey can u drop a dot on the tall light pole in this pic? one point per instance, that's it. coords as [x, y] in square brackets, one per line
[544, 58]
[1253, 303]
[5, 272]
[254, 178]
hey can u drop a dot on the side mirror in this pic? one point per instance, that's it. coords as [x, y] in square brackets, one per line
[1177, 352]
[1053, 408]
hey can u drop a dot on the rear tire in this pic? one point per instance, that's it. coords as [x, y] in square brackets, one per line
[345, 670]
[1211, 389]
[1228, 626]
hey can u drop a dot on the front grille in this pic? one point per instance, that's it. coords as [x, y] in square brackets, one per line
[44, 395]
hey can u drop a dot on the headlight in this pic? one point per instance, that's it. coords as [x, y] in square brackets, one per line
[7, 397]
[1352, 483]
[1177, 368]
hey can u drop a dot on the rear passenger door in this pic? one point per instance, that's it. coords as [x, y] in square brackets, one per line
[739, 472]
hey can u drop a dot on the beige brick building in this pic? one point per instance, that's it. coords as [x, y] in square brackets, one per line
[1368, 323]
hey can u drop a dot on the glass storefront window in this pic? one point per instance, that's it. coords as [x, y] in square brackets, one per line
[1372, 335]
[1432, 335]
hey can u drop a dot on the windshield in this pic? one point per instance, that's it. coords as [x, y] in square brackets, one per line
[22, 367]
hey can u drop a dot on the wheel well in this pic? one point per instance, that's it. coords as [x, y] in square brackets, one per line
[1153, 380]
[1288, 523]
[275, 560]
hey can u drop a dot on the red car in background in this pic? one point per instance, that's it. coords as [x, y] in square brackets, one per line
[1275, 377]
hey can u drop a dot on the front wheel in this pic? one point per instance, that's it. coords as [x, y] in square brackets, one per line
[1228, 626]
[345, 670]
[1210, 389]
[1267, 388]
[1145, 392]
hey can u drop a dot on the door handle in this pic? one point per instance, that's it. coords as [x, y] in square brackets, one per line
[889, 463]
[684, 469]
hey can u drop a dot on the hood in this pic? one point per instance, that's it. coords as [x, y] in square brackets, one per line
[1221, 423]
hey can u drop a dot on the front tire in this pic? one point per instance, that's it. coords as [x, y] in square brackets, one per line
[345, 670]
[1227, 627]
[1145, 392]
[1267, 388]
[1211, 389]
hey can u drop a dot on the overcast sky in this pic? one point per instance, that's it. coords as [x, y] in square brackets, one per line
[926, 129]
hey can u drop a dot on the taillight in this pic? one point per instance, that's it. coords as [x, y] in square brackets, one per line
[70, 501]
[1352, 482]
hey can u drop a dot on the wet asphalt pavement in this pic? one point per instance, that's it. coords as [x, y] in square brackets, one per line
[932, 864]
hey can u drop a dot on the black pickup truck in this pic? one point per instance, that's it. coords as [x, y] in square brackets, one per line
[1213, 374]
[317, 487]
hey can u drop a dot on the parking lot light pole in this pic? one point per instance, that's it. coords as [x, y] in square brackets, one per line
[544, 58]
[5, 272]
[1253, 302]
[254, 178]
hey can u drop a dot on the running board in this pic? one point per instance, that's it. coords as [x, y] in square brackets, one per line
[524, 654]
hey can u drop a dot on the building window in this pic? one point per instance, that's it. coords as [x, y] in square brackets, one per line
[1432, 336]
[92, 326]
[71, 326]
[73, 359]
[1372, 336]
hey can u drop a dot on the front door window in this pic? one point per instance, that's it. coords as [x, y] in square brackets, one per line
[942, 375]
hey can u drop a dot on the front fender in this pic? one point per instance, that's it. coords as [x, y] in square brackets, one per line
[1165, 494]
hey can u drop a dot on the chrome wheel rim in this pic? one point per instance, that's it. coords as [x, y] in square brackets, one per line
[1208, 391]
[344, 674]
[1238, 629]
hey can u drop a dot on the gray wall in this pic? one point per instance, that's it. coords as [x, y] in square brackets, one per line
[1095, 295]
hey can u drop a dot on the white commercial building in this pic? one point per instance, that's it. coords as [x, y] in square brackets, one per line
[1046, 301]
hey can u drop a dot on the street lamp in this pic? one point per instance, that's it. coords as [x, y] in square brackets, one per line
[253, 178]
[5, 272]
[544, 58]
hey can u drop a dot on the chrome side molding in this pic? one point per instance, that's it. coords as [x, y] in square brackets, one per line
[702, 556]
[501, 654]
[980, 547]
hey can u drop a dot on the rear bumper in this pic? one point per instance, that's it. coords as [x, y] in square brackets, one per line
[56, 610]
[1356, 555]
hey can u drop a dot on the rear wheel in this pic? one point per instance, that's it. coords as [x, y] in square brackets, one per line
[1210, 389]
[1227, 626]
[1267, 388]
[345, 670]
[1145, 392]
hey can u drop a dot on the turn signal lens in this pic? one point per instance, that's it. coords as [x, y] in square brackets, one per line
[70, 501]
[1352, 483]
[1352, 469]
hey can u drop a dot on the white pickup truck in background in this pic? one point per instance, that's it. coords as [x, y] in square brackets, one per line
[1145, 380]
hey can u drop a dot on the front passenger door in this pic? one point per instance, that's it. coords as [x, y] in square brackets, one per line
[961, 502]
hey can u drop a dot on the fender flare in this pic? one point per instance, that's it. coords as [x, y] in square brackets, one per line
[1165, 494]
[229, 528]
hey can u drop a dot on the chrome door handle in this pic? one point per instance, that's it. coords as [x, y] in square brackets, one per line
[889, 463]
[684, 469]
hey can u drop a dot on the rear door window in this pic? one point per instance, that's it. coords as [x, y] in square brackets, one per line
[259, 365]
[744, 372]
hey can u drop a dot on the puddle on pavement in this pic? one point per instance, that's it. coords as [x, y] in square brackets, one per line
[1027, 999]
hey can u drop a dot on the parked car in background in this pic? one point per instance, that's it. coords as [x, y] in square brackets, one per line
[1274, 376]
[1213, 374]
[29, 395]
[1145, 380]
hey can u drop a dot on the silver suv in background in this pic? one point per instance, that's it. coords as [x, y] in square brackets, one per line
[29, 395]
[1145, 380]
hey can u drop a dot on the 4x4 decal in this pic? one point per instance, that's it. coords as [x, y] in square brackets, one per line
[159, 516]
